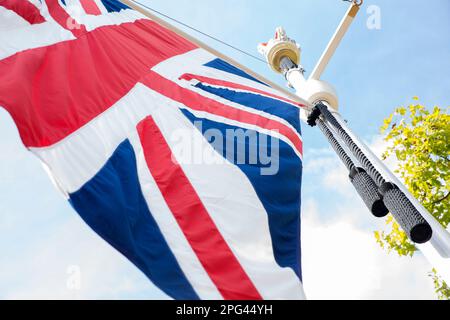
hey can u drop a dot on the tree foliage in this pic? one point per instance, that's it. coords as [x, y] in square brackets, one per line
[442, 289]
[419, 139]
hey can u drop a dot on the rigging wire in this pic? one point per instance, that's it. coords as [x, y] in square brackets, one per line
[199, 31]
[356, 2]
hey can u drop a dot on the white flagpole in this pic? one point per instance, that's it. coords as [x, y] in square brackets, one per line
[316, 91]
[335, 41]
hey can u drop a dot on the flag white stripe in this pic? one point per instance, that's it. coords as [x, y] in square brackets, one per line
[78, 157]
[30, 36]
[262, 94]
[193, 62]
[11, 20]
[92, 22]
[187, 84]
[272, 133]
[187, 259]
[243, 124]
[101, 6]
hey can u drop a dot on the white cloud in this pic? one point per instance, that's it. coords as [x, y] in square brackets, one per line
[342, 261]
[332, 173]
[41, 236]
[340, 257]
[42, 271]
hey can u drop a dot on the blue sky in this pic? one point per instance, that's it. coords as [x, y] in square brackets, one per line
[41, 237]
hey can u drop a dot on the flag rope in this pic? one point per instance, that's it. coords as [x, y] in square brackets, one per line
[374, 186]
[363, 183]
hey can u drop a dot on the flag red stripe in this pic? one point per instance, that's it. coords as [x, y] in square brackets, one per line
[90, 7]
[233, 85]
[25, 9]
[64, 19]
[191, 215]
[198, 102]
[52, 91]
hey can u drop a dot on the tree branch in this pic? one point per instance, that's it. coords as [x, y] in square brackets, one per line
[443, 198]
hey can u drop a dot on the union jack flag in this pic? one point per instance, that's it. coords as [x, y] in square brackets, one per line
[110, 101]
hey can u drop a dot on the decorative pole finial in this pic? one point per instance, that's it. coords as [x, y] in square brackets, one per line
[281, 46]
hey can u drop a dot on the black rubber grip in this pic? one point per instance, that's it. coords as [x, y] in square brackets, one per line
[368, 191]
[363, 183]
[342, 154]
[357, 152]
[407, 216]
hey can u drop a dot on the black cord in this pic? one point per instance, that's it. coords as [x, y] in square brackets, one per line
[335, 144]
[360, 156]
[406, 214]
[364, 185]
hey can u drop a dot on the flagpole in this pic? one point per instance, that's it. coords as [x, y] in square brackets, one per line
[430, 236]
[213, 51]
[335, 40]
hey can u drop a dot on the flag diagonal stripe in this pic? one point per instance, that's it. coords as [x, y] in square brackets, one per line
[90, 7]
[53, 91]
[232, 85]
[24, 9]
[200, 230]
[198, 102]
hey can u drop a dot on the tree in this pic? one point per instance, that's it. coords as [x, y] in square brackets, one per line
[420, 141]
[442, 289]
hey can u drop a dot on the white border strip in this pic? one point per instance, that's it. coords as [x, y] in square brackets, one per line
[193, 62]
[243, 124]
[31, 36]
[78, 157]
[184, 254]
